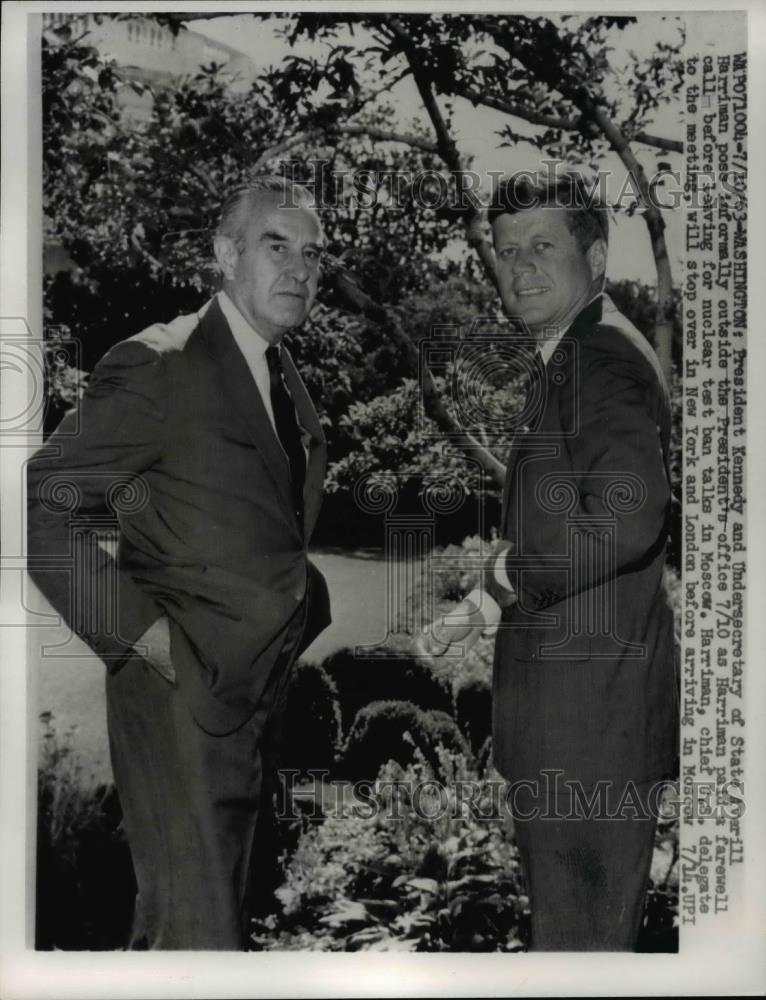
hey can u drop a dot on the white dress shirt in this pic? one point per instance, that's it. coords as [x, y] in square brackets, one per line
[253, 346]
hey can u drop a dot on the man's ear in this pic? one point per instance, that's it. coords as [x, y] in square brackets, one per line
[227, 255]
[596, 257]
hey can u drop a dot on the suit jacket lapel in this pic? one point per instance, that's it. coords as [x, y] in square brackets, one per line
[518, 443]
[239, 383]
[579, 327]
[309, 420]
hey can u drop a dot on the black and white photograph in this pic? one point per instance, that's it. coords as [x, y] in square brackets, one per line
[378, 500]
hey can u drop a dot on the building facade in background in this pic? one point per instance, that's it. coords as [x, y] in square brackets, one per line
[152, 55]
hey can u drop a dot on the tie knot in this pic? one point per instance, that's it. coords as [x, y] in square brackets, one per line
[273, 360]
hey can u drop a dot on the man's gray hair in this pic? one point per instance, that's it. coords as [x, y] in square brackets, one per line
[238, 207]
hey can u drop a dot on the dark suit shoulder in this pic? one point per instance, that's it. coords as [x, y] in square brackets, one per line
[142, 358]
[615, 345]
[165, 338]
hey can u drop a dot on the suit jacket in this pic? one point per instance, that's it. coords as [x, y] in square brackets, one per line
[584, 677]
[173, 439]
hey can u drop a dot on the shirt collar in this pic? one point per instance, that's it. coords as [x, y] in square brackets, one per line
[247, 338]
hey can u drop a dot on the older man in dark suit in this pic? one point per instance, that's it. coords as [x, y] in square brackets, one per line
[201, 435]
[584, 693]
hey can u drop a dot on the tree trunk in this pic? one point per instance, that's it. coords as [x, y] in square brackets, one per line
[663, 330]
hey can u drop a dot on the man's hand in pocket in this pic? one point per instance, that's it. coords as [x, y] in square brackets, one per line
[154, 647]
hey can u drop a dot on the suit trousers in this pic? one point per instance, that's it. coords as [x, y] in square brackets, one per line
[193, 804]
[586, 875]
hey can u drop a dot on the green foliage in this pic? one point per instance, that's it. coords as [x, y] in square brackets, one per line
[443, 301]
[659, 930]
[85, 886]
[391, 435]
[361, 680]
[441, 733]
[404, 874]
[412, 866]
[474, 666]
[80, 116]
[537, 65]
[328, 352]
[639, 303]
[388, 433]
[133, 204]
[457, 568]
[375, 211]
[453, 302]
[142, 197]
[312, 721]
[396, 730]
[387, 430]
[382, 731]
[64, 382]
[473, 710]
[454, 572]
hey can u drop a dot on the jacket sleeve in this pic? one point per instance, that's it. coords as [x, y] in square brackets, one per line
[608, 511]
[88, 472]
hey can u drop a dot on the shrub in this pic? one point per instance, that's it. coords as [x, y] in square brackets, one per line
[388, 434]
[457, 568]
[450, 573]
[399, 880]
[85, 884]
[312, 721]
[473, 710]
[475, 666]
[397, 730]
[382, 731]
[360, 680]
[441, 732]
[398, 877]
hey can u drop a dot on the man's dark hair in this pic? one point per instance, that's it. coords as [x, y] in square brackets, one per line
[587, 218]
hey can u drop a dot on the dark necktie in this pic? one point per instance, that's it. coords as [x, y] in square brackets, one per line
[287, 427]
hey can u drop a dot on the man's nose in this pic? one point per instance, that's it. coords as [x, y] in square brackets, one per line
[297, 267]
[522, 263]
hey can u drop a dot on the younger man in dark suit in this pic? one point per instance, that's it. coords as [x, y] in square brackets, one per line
[200, 436]
[584, 694]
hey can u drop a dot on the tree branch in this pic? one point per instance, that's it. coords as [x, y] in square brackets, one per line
[654, 223]
[138, 245]
[283, 147]
[592, 111]
[385, 135]
[447, 149]
[551, 121]
[358, 301]
[201, 174]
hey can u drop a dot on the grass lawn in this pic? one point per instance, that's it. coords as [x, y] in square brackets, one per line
[70, 680]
